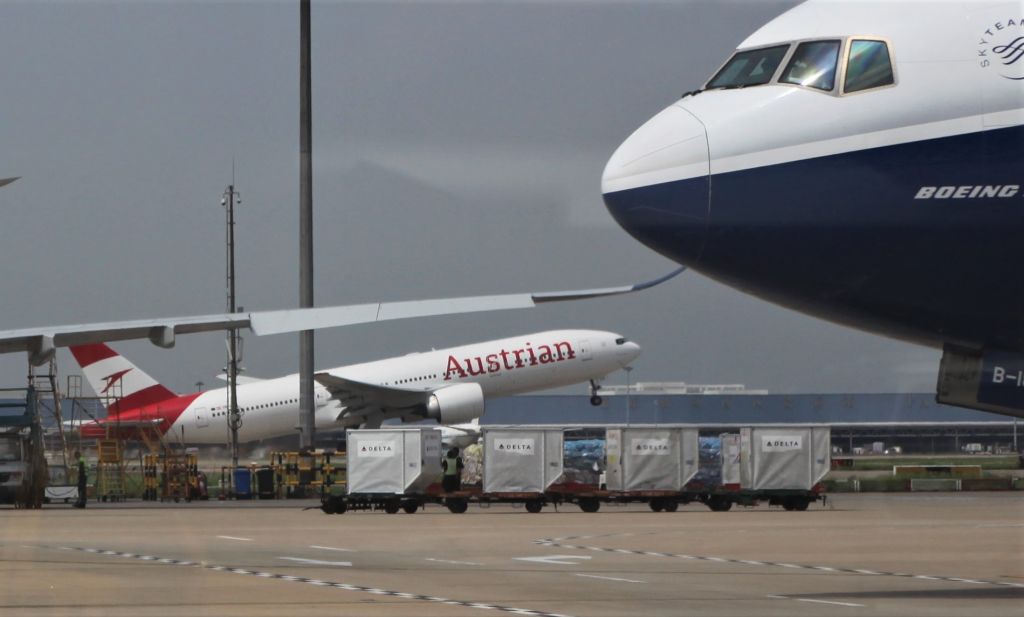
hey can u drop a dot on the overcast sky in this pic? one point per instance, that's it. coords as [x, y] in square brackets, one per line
[458, 149]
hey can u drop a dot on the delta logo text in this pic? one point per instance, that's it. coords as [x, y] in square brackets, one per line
[514, 446]
[377, 449]
[969, 191]
[1001, 48]
[508, 360]
[780, 443]
[651, 446]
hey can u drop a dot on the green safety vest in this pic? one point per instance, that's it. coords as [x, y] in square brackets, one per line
[453, 466]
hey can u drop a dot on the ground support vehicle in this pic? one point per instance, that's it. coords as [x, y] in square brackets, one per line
[722, 499]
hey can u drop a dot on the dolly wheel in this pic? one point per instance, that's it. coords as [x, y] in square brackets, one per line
[456, 506]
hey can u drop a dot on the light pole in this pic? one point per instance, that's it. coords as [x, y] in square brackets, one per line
[307, 407]
[228, 200]
[629, 401]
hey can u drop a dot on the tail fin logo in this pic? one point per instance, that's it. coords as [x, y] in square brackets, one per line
[113, 378]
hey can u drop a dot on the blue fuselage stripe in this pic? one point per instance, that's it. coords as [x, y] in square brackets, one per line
[850, 238]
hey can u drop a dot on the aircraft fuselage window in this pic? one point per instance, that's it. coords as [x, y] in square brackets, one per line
[749, 68]
[868, 66]
[813, 65]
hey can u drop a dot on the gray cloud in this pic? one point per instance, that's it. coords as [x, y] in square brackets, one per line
[458, 149]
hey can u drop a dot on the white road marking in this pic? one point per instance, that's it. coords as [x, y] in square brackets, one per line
[319, 562]
[610, 578]
[332, 548]
[459, 563]
[554, 559]
[558, 542]
[827, 602]
[346, 586]
[813, 601]
[235, 538]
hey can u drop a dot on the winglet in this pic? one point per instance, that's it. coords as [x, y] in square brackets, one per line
[559, 296]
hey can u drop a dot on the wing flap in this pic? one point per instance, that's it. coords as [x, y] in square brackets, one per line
[365, 399]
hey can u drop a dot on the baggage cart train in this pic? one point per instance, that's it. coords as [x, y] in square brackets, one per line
[395, 469]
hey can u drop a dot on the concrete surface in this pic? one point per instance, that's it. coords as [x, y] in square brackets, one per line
[901, 554]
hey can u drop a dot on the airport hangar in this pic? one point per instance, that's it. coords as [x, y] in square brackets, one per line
[912, 421]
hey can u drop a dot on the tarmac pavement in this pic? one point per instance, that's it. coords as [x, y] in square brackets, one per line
[865, 554]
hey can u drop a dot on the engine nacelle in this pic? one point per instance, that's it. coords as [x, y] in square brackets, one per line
[456, 404]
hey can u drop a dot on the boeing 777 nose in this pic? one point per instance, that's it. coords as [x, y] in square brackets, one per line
[656, 184]
[626, 351]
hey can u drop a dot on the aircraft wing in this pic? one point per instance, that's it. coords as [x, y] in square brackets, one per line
[364, 399]
[41, 343]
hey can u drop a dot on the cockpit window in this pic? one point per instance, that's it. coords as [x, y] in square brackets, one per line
[813, 65]
[749, 68]
[868, 66]
[620, 341]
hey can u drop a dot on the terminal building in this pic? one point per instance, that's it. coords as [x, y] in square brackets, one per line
[907, 422]
[911, 423]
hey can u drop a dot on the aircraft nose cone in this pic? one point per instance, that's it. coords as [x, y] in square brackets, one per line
[630, 351]
[656, 184]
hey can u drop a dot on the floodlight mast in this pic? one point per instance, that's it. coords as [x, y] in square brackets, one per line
[307, 424]
[228, 200]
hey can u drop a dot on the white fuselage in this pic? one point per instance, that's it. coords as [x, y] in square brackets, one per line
[502, 367]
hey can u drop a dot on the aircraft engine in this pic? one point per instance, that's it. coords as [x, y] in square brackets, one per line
[456, 404]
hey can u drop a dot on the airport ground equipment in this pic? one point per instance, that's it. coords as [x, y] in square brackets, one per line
[23, 468]
[662, 466]
[388, 469]
[297, 472]
[110, 470]
[172, 476]
[521, 460]
[783, 465]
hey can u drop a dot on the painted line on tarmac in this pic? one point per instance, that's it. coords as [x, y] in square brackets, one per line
[235, 538]
[332, 548]
[315, 582]
[609, 578]
[811, 600]
[458, 563]
[561, 543]
[319, 562]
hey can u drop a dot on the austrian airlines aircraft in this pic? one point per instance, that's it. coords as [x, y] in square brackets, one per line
[448, 385]
[862, 162]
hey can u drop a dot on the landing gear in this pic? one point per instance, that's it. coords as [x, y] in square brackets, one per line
[595, 399]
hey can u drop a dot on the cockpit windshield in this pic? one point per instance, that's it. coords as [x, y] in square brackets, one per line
[749, 68]
[813, 65]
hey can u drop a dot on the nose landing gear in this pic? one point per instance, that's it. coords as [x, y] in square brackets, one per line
[595, 399]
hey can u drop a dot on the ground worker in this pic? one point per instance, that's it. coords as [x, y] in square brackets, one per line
[452, 466]
[80, 503]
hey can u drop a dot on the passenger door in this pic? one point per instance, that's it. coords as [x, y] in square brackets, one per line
[202, 417]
